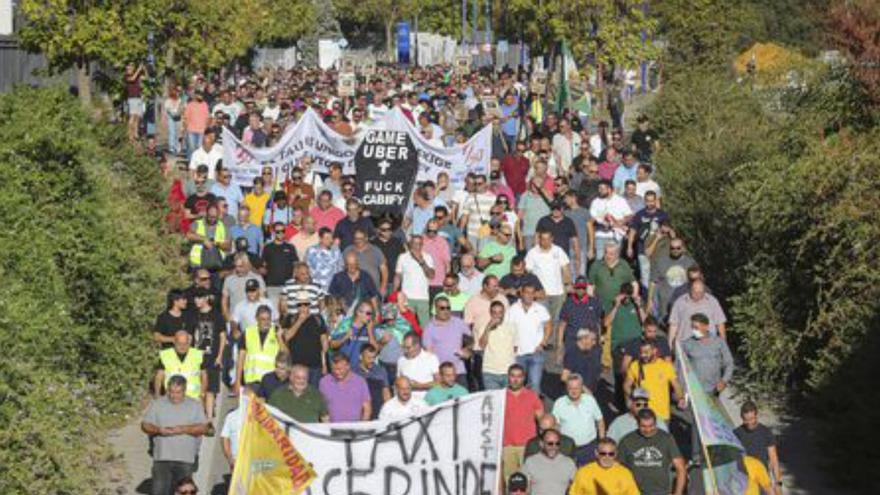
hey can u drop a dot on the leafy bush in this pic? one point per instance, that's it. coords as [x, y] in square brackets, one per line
[781, 206]
[83, 274]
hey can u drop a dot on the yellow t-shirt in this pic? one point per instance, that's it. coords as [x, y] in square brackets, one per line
[759, 478]
[257, 205]
[593, 479]
[658, 377]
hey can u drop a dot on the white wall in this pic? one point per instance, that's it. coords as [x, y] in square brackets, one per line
[5, 17]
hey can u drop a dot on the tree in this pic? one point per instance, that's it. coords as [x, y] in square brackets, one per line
[856, 30]
[610, 32]
[286, 21]
[74, 34]
[385, 13]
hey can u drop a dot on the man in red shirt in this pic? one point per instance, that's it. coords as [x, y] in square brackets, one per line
[522, 410]
[515, 168]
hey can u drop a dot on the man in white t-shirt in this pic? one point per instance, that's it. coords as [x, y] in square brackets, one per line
[403, 405]
[414, 270]
[420, 366]
[209, 153]
[610, 214]
[644, 183]
[533, 331]
[551, 265]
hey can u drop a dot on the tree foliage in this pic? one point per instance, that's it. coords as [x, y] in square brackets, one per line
[856, 30]
[606, 31]
[83, 268]
[776, 192]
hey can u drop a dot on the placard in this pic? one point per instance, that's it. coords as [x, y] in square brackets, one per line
[490, 106]
[346, 86]
[385, 165]
[462, 65]
[538, 84]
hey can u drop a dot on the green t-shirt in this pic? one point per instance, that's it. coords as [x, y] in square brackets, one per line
[608, 281]
[650, 460]
[456, 302]
[307, 408]
[493, 248]
[535, 208]
[626, 325]
[439, 394]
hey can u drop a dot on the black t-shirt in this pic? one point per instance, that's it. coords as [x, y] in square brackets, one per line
[391, 249]
[345, 228]
[196, 203]
[305, 346]
[279, 260]
[511, 281]
[644, 141]
[756, 441]
[205, 329]
[168, 324]
[191, 300]
[588, 364]
[562, 231]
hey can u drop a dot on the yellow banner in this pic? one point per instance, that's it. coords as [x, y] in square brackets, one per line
[267, 463]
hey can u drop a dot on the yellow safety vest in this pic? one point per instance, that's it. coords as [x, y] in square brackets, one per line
[190, 368]
[260, 357]
[537, 110]
[195, 253]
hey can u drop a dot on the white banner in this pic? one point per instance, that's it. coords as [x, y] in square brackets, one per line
[311, 136]
[453, 448]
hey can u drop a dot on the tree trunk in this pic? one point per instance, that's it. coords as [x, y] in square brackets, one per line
[389, 40]
[84, 83]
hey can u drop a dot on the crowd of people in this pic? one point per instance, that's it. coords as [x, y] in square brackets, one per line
[558, 277]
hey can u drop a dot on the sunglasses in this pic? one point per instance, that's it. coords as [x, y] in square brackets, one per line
[279, 232]
[367, 313]
[205, 279]
[551, 444]
[296, 177]
[607, 454]
[442, 308]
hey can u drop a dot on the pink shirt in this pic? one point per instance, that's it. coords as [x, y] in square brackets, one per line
[438, 248]
[327, 218]
[196, 115]
[607, 169]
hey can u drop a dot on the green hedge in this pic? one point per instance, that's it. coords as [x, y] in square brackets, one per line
[777, 192]
[84, 270]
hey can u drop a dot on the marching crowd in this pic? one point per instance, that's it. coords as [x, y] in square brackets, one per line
[557, 276]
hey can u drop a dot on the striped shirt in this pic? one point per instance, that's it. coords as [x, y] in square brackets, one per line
[293, 292]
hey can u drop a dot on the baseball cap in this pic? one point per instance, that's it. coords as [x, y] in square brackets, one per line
[517, 482]
[581, 283]
[640, 393]
[251, 285]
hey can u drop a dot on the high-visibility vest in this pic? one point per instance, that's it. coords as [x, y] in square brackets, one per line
[537, 110]
[260, 357]
[195, 253]
[190, 368]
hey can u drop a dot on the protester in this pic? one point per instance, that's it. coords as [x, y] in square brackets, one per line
[404, 404]
[175, 423]
[533, 330]
[758, 440]
[420, 366]
[299, 399]
[522, 409]
[580, 418]
[605, 474]
[447, 388]
[346, 394]
[548, 422]
[549, 472]
[649, 453]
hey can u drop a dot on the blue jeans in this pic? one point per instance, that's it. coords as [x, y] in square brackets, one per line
[494, 382]
[315, 377]
[193, 141]
[534, 365]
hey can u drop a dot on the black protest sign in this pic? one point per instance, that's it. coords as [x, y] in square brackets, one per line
[385, 164]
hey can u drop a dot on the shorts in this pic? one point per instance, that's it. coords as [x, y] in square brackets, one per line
[213, 379]
[136, 107]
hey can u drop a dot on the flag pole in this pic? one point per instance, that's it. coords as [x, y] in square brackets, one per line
[708, 459]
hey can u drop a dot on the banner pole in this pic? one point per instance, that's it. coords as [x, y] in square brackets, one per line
[708, 459]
